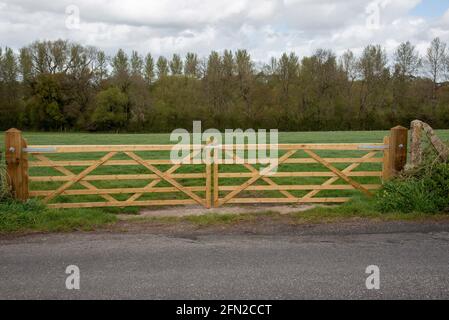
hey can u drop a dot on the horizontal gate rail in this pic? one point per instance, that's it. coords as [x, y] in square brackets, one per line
[301, 174]
[82, 163]
[118, 177]
[134, 148]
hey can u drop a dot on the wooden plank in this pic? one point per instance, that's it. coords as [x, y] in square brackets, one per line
[302, 174]
[121, 204]
[78, 192]
[24, 167]
[416, 152]
[287, 200]
[135, 148]
[116, 163]
[310, 146]
[334, 160]
[339, 173]
[208, 184]
[85, 163]
[309, 161]
[189, 202]
[300, 187]
[79, 177]
[216, 177]
[200, 176]
[101, 148]
[165, 177]
[108, 177]
[386, 169]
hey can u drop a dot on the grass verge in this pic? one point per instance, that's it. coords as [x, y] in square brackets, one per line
[33, 216]
[360, 208]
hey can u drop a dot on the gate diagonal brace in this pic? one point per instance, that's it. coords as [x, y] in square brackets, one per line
[254, 170]
[255, 177]
[155, 182]
[165, 177]
[79, 177]
[348, 169]
[338, 172]
[67, 172]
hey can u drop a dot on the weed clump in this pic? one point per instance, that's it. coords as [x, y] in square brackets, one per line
[5, 192]
[421, 189]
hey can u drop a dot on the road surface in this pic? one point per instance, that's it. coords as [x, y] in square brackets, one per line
[311, 262]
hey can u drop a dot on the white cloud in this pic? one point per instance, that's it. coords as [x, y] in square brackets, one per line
[264, 27]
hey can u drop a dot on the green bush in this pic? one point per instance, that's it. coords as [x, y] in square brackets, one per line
[425, 190]
[438, 183]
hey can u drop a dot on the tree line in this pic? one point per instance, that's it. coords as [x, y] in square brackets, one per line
[64, 86]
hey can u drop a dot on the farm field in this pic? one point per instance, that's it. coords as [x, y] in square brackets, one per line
[133, 139]
[40, 138]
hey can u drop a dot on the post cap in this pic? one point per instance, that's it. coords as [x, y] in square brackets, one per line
[399, 128]
[13, 130]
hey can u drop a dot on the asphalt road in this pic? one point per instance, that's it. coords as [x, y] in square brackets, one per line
[329, 264]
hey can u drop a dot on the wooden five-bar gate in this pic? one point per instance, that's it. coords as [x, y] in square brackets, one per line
[96, 177]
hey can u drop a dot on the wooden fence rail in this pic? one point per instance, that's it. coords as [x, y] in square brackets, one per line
[214, 183]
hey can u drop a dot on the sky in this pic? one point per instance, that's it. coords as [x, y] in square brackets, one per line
[265, 28]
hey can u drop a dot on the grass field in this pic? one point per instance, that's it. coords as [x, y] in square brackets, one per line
[129, 139]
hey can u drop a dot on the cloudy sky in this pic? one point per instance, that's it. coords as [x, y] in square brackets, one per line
[264, 27]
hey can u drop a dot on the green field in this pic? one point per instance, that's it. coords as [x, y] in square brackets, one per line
[36, 138]
[129, 139]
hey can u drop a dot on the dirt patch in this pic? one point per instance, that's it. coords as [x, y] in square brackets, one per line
[278, 225]
[185, 211]
[258, 224]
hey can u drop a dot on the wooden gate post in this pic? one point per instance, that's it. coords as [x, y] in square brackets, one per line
[397, 152]
[386, 170]
[16, 164]
[415, 147]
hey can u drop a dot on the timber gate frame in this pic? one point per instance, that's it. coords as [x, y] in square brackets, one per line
[333, 175]
[393, 160]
